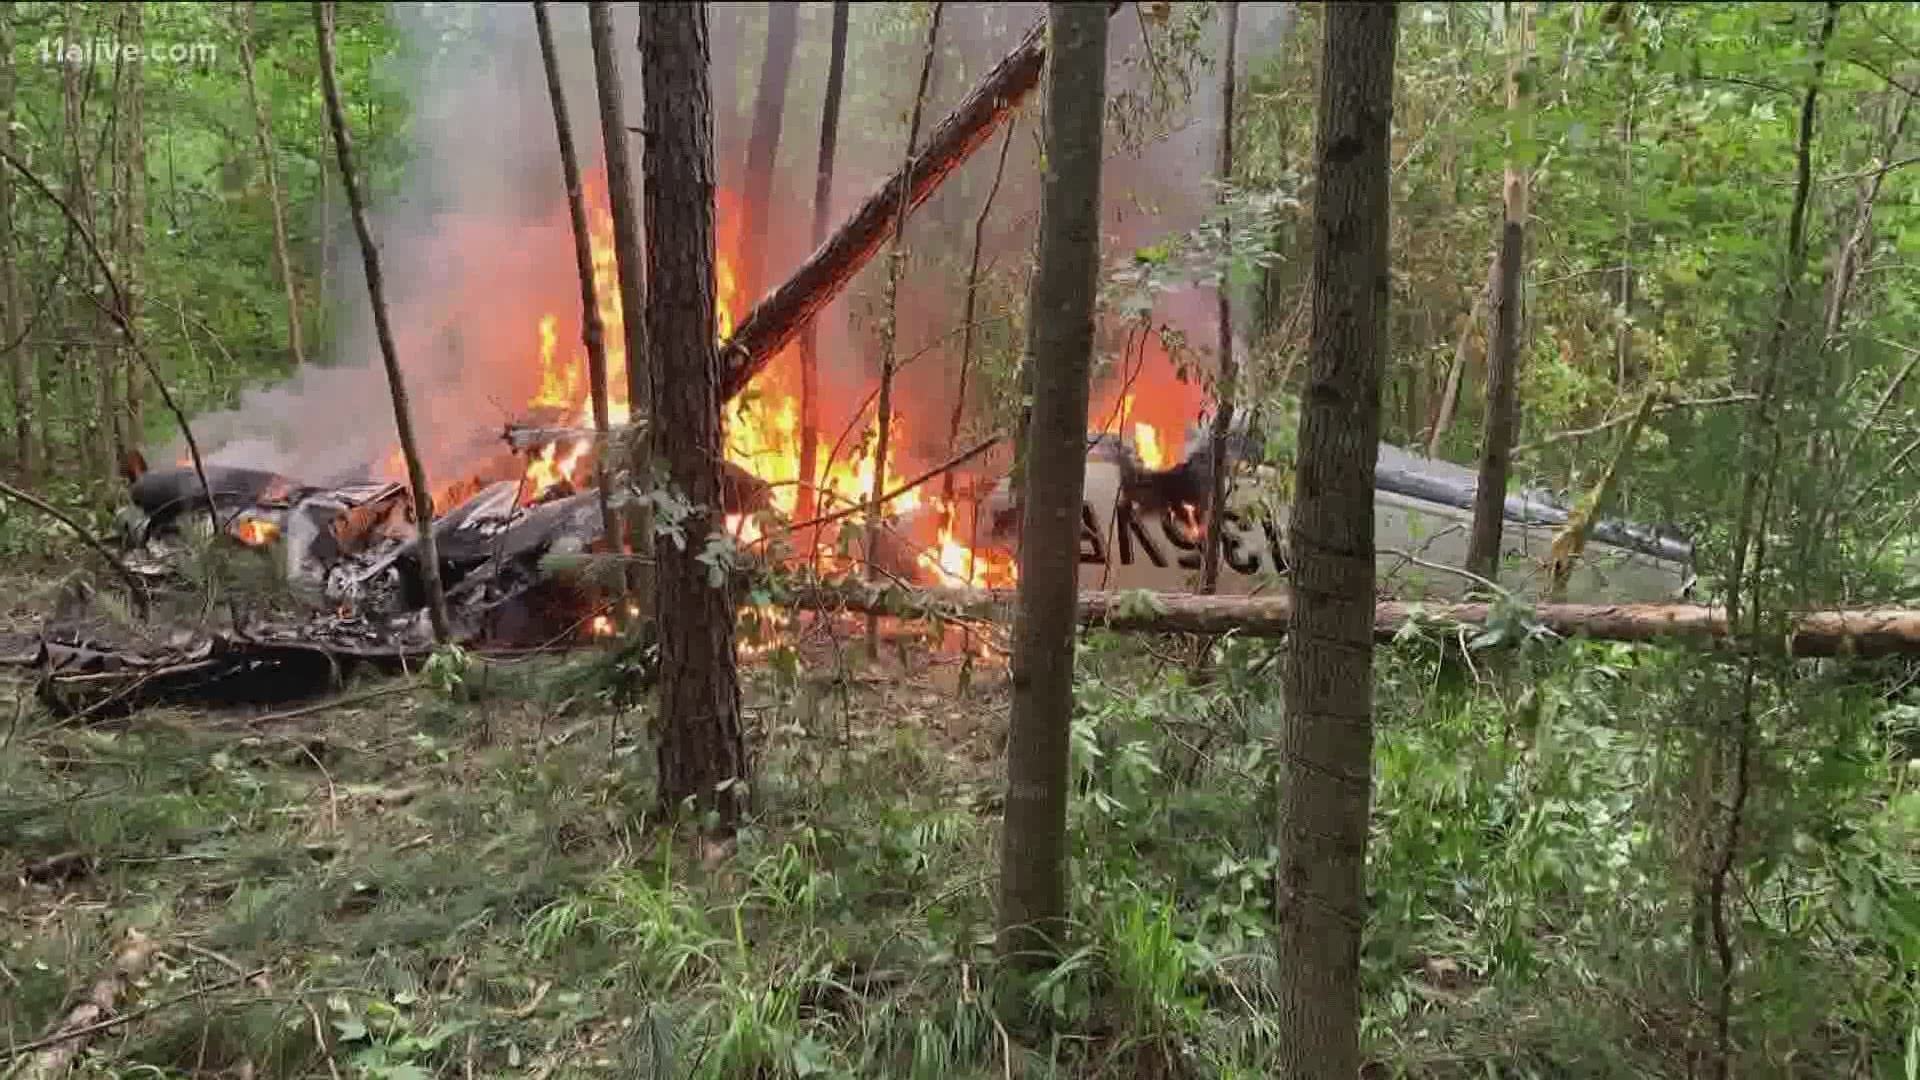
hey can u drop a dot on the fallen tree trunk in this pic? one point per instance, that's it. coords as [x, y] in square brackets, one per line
[779, 317]
[1851, 632]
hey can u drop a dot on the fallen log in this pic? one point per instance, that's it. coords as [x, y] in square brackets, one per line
[1863, 632]
[779, 317]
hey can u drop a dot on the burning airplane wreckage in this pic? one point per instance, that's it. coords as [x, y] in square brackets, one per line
[345, 542]
[350, 551]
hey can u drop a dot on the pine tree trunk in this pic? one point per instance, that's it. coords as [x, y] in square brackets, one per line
[20, 373]
[1032, 915]
[263, 135]
[1503, 336]
[889, 334]
[763, 148]
[396, 381]
[1223, 393]
[592, 334]
[701, 753]
[805, 506]
[1327, 742]
[631, 264]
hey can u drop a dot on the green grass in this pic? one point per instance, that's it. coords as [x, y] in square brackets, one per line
[443, 885]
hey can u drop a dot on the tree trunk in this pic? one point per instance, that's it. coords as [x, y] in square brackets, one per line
[1849, 632]
[1033, 871]
[133, 221]
[1450, 393]
[970, 306]
[631, 264]
[1327, 742]
[1496, 445]
[20, 374]
[396, 381]
[592, 334]
[1503, 336]
[889, 333]
[769, 110]
[83, 317]
[263, 129]
[702, 755]
[822, 210]
[1223, 392]
[777, 319]
[1761, 447]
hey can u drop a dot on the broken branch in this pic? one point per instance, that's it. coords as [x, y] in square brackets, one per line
[779, 316]
[134, 584]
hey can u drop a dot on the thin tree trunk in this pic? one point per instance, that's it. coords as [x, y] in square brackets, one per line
[133, 164]
[1450, 394]
[778, 317]
[889, 332]
[89, 424]
[396, 381]
[806, 505]
[326, 231]
[763, 148]
[1327, 741]
[592, 334]
[1762, 445]
[1223, 393]
[702, 756]
[20, 373]
[263, 129]
[1623, 341]
[967, 327]
[631, 264]
[1503, 336]
[1033, 871]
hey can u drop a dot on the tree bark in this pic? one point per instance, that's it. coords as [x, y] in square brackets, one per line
[20, 373]
[592, 334]
[777, 319]
[1503, 336]
[763, 147]
[822, 209]
[389, 355]
[889, 332]
[1033, 871]
[263, 135]
[702, 755]
[1223, 392]
[1327, 742]
[632, 267]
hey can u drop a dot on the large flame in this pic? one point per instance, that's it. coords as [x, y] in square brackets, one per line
[762, 428]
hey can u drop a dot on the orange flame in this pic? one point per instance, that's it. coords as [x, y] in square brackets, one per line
[762, 430]
[256, 532]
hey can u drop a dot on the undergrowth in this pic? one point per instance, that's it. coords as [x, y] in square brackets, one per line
[468, 881]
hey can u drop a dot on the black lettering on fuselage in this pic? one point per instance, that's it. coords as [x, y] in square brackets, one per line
[1130, 529]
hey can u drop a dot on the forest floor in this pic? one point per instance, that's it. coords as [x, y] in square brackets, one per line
[469, 881]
